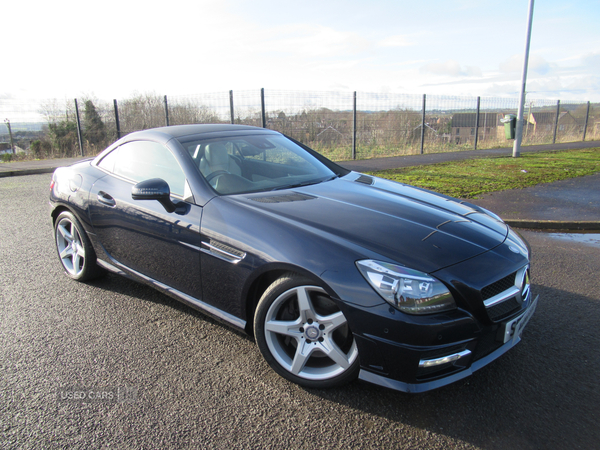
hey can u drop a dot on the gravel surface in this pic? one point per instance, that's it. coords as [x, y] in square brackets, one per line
[180, 380]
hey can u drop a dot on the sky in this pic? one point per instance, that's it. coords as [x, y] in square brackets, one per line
[115, 49]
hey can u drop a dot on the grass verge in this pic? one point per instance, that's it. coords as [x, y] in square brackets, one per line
[473, 177]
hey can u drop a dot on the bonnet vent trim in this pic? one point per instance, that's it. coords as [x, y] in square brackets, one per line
[286, 198]
[364, 179]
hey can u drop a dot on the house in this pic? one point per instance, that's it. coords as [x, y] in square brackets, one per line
[5, 148]
[463, 126]
[543, 122]
[331, 136]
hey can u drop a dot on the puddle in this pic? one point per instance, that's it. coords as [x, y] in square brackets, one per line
[592, 239]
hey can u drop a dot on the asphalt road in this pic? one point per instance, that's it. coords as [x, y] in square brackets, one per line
[188, 382]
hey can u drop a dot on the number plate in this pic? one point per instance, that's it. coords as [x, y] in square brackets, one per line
[514, 328]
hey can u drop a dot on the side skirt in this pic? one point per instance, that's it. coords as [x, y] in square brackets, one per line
[174, 293]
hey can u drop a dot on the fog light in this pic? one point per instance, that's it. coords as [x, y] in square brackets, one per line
[443, 360]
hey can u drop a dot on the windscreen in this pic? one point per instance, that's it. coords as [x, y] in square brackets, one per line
[242, 164]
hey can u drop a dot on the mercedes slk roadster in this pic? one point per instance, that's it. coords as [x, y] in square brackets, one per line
[336, 274]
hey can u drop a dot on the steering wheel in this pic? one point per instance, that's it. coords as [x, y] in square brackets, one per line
[215, 174]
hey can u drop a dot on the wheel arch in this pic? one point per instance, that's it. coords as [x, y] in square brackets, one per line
[59, 207]
[58, 210]
[264, 278]
[91, 269]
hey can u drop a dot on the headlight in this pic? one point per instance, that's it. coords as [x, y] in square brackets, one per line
[409, 290]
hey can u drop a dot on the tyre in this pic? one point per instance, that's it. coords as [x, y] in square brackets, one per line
[304, 336]
[74, 249]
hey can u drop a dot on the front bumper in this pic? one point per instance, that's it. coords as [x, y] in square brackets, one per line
[417, 368]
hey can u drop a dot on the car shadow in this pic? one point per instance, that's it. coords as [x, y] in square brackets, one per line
[125, 286]
[543, 393]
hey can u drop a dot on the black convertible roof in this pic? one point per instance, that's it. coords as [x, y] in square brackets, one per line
[185, 130]
[165, 134]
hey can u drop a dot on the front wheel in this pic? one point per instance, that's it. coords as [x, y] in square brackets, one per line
[304, 336]
[74, 249]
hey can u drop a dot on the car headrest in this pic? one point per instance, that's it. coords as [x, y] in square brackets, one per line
[216, 154]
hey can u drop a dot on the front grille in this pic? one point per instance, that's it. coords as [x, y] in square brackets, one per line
[499, 286]
[504, 309]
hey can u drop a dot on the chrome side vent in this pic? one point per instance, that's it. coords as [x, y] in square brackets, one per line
[223, 251]
[285, 198]
[365, 180]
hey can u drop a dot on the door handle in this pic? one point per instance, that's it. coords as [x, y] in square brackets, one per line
[105, 198]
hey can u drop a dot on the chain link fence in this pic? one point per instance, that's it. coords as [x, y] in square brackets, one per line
[340, 125]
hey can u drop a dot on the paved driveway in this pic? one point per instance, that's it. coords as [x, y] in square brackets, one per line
[187, 381]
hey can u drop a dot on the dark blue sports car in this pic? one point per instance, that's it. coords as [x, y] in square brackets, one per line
[336, 274]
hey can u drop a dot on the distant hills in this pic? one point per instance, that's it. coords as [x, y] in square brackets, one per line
[21, 126]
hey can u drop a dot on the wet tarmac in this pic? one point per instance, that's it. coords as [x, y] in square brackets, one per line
[573, 199]
[591, 239]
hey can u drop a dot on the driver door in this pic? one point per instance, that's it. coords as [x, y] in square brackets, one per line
[140, 235]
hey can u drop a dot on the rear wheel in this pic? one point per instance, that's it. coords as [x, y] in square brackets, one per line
[74, 249]
[304, 336]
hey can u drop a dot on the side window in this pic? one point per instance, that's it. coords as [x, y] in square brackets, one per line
[108, 162]
[142, 160]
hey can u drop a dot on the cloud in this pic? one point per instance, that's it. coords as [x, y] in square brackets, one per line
[539, 65]
[592, 61]
[586, 82]
[536, 64]
[566, 88]
[314, 41]
[395, 41]
[573, 88]
[451, 68]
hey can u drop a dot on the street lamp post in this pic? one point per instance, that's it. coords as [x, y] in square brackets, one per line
[519, 130]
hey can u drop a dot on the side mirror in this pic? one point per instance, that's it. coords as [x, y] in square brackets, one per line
[154, 189]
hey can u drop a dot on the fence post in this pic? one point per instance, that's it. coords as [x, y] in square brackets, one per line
[556, 121]
[166, 111]
[423, 126]
[262, 107]
[117, 119]
[354, 127]
[477, 123]
[587, 116]
[231, 107]
[78, 128]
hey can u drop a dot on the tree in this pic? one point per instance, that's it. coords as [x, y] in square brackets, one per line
[95, 131]
[64, 137]
[41, 148]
